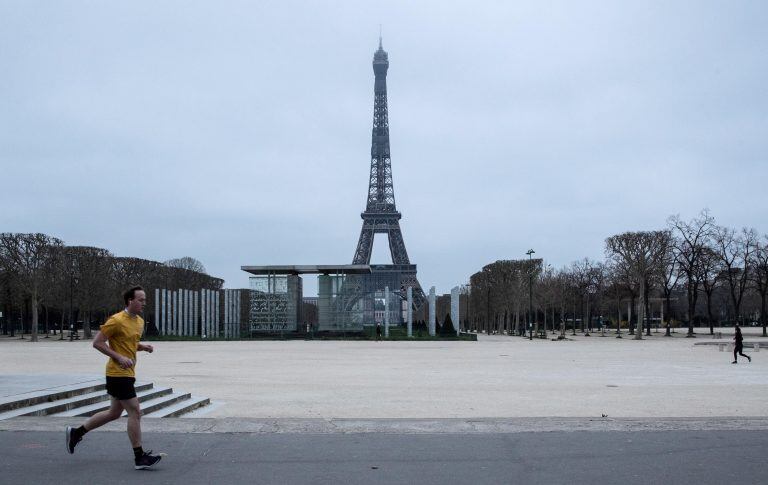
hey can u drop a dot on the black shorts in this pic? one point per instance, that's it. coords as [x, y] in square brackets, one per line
[121, 388]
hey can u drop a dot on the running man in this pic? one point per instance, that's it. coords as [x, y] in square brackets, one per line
[119, 339]
[739, 347]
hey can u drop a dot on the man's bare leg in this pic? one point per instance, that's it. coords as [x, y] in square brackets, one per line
[144, 459]
[133, 409]
[75, 435]
[104, 417]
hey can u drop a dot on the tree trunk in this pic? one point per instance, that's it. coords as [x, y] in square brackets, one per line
[640, 316]
[762, 312]
[691, 309]
[618, 320]
[588, 316]
[87, 324]
[647, 309]
[34, 315]
[22, 315]
[573, 319]
[562, 318]
[553, 318]
[648, 317]
[710, 320]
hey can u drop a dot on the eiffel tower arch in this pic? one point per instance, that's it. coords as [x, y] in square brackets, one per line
[381, 215]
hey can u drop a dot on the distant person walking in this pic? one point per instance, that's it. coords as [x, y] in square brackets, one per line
[119, 339]
[378, 331]
[737, 349]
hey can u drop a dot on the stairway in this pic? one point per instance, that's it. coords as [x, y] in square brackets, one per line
[88, 398]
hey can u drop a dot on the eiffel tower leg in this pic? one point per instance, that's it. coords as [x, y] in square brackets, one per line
[364, 245]
[397, 245]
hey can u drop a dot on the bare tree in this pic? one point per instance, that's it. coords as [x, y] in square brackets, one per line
[479, 299]
[710, 275]
[759, 274]
[641, 254]
[690, 239]
[668, 278]
[735, 251]
[588, 277]
[26, 256]
[560, 295]
[549, 294]
[93, 267]
[620, 286]
[188, 263]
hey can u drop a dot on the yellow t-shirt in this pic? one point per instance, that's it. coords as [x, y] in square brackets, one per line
[123, 332]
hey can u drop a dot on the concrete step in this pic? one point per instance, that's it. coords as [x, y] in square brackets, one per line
[90, 410]
[179, 408]
[51, 394]
[160, 403]
[64, 405]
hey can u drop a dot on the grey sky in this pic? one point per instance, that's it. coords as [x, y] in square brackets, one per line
[242, 129]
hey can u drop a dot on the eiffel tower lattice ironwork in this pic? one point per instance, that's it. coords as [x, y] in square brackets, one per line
[381, 215]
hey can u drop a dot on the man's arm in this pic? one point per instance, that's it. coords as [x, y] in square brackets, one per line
[145, 348]
[101, 344]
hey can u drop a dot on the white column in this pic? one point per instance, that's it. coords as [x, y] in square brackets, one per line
[157, 309]
[173, 314]
[180, 312]
[432, 312]
[386, 311]
[162, 311]
[232, 313]
[216, 313]
[203, 330]
[183, 312]
[209, 317]
[455, 309]
[226, 313]
[238, 311]
[206, 311]
[410, 311]
[167, 312]
[196, 313]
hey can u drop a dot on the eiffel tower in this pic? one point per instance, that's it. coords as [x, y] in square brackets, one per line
[381, 215]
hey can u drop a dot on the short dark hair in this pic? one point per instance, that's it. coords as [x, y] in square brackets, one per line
[130, 293]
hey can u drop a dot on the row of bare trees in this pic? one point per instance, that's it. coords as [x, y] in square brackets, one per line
[39, 272]
[677, 266]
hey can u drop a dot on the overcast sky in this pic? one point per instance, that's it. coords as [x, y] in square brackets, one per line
[239, 133]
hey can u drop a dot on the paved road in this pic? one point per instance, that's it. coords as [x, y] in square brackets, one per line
[583, 457]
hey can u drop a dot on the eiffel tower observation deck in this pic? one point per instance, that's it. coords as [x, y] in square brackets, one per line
[381, 215]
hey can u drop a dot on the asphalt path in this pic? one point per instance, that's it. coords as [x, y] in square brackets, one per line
[575, 457]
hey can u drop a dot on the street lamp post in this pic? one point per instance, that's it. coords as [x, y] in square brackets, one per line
[530, 252]
[71, 325]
